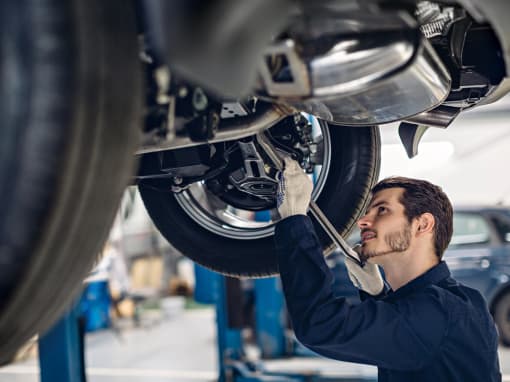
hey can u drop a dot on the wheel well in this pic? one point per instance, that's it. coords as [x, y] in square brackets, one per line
[503, 291]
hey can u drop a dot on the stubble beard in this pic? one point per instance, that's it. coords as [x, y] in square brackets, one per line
[396, 241]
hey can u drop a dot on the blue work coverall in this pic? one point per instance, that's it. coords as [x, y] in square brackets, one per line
[431, 329]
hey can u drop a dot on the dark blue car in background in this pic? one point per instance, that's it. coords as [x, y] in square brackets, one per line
[478, 256]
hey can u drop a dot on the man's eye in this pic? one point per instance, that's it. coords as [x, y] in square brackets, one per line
[381, 210]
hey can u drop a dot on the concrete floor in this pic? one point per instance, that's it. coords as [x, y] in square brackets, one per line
[178, 349]
[181, 348]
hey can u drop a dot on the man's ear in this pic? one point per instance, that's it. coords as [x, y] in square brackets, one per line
[426, 222]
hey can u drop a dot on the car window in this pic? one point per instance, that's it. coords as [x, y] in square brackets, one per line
[502, 223]
[469, 228]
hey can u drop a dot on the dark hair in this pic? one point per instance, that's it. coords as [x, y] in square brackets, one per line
[419, 197]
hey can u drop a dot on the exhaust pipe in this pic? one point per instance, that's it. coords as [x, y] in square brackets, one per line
[362, 79]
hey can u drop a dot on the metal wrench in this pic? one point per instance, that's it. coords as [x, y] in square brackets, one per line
[317, 213]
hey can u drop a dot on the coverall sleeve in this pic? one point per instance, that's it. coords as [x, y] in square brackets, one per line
[401, 336]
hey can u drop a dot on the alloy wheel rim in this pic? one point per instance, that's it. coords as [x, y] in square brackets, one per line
[218, 217]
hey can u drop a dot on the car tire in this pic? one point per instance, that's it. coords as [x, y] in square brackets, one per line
[502, 318]
[70, 105]
[353, 170]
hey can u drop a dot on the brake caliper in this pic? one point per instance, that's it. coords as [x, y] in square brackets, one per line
[255, 177]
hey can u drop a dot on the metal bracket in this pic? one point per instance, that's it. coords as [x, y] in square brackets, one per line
[410, 135]
[299, 85]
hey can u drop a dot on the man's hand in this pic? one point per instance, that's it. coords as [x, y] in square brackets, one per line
[293, 197]
[294, 190]
[367, 278]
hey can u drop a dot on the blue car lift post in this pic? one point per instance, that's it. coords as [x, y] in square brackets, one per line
[68, 363]
[271, 337]
[62, 347]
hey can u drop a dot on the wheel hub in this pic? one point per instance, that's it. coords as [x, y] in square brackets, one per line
[251, 181]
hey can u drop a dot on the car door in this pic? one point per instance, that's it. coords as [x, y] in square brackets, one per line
[500, 259]
[470, 250]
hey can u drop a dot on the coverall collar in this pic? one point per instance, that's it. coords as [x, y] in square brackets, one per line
[432, 276]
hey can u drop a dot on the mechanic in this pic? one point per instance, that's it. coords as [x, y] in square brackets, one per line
[424, 326]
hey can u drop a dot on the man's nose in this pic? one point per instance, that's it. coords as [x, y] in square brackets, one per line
[364, 222]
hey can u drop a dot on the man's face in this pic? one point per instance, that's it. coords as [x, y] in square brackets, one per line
[384, 228]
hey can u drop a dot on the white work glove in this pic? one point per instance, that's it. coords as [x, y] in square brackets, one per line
[367, 278]
[294, 190]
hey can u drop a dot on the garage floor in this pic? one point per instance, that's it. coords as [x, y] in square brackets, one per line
[178, 349]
